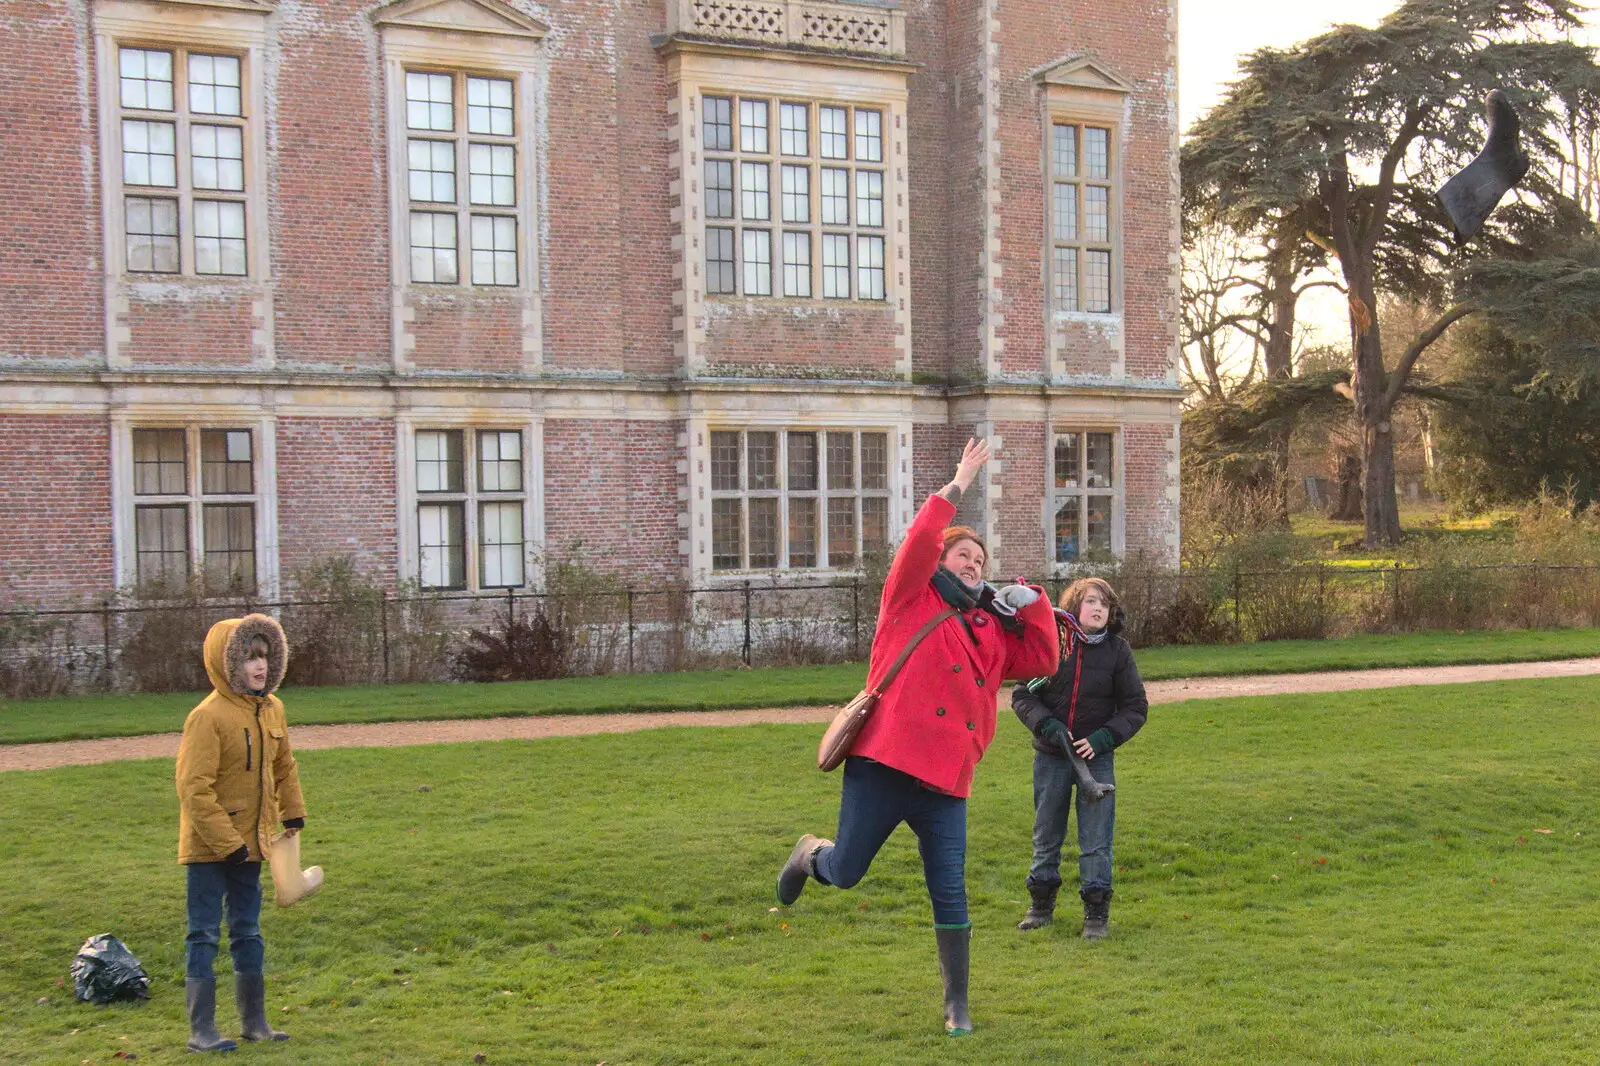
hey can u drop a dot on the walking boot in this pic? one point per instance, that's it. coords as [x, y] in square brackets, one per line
[1043, 909]
[955, 958]
[250, 990]
[1096, 912]
[201, 997]
[801, 865]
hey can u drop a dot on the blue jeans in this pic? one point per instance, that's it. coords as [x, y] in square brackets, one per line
[1054, 788]
[209, 884]
[876, 799]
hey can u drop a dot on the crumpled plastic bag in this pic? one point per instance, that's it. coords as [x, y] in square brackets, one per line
[106, 971]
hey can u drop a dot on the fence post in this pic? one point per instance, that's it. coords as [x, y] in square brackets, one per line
[105, 644]
[1238, 621]
[630, 629]
[1394, 600]
[746, 653]
[383, 607]
[855, 617]
[511, 608]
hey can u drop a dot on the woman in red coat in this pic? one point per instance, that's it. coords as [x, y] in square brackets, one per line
[914, 759]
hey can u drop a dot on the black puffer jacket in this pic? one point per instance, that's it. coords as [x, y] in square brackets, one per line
[1109, 694]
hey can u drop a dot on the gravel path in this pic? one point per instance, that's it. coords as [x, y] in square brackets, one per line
[403, 734]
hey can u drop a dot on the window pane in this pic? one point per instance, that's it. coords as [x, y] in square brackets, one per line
[1064, 150]
[869, 268]
[442, 540]
[146, 79]
[1067, 460]
[161, 545]
[753, 126]
[755, 199]
[835, 196]
[763, 533]
[494, 250]
[152, 234]
[1100, 466]
[797, 264]
[720, 266]
[225, 462]
[489, 107]
[500, 461]
[836, 266]
[803, 532]
[717, 123]
[724, 461]
[432, 169]
[727, 534]
[796, 194]
[841, 460]
[1097, 281]
[439, 460]
[214, 85]
[832, 136]
[869, 136]
[757, 262]
[802, 462]
[869, 198]
[1096, 152]
[1066, 212]
[874, 524]
[160, 467]
[433, 248]
[719, 188]
[1068, 543]
[1097, 525]
[761, 468]
[219, 237]
[500, 545]
[229, 543]
[874, 460]
[430, 101]
[1096, 213]
[1066, 262]
[492, 174]
[794, 124]
[149, 153]
[216, 157]
[841, 530]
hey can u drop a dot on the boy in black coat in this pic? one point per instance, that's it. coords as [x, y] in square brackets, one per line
[1093, 704]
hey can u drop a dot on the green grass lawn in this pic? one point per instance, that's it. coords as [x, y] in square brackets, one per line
[1397, 876]
[85, 717]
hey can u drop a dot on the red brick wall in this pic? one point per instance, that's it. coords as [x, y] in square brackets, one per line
[963, 175]
[611, 496]
[1151, 517]
[186, 326]
[928, 145]
[762, 340]
[336, 494]
[55, 508]
[472, 330]
[645, 277]
[1019, 516]
[51, 303]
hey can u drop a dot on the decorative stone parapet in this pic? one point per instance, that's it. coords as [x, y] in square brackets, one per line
[850, 28]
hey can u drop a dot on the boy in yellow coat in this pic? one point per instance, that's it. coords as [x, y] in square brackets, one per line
[237, 779]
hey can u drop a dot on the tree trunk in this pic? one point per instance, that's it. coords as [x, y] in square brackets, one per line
[1380, 509]
[1278, 355]
[1348, 509]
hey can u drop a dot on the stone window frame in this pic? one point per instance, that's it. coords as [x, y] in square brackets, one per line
[263, 497]
[228, 27]
[1079, 244]
[471, 497]
[1056, 496]
[823, 493]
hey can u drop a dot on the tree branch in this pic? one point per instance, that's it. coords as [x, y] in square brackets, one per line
[1397, 380]
[1372, 229]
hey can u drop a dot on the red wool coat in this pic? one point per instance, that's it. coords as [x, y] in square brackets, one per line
[938, 716]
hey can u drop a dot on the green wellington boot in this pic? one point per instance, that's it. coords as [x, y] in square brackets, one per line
[955, 958]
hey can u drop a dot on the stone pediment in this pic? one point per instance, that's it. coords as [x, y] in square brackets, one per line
[1082, 72]
[462, 16]
[258, 6]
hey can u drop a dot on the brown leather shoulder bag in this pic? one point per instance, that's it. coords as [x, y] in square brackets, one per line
[847, 724]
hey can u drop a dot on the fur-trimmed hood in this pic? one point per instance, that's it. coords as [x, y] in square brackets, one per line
[225, 650]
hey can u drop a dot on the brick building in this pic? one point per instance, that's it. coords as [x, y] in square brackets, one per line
[712, 287]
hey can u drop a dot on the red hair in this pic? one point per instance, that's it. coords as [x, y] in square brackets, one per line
[955, 534]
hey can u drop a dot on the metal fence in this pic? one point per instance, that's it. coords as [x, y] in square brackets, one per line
[384, 637]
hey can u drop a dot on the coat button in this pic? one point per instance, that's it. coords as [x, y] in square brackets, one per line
[981, 621]
[939, 712]
[971, 726]
[956, 668]
[980, 682]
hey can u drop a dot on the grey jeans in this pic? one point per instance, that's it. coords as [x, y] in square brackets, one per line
[1054, 792]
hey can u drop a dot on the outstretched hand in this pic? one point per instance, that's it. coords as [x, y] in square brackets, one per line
[973, 456]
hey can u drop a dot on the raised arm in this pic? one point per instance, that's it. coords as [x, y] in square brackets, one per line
[919, 553]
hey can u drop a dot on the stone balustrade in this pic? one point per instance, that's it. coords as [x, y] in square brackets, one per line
[854, 29]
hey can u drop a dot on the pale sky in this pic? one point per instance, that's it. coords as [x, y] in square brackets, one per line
[1213, 34]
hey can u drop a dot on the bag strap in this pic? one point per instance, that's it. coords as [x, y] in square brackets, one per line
[905, 652]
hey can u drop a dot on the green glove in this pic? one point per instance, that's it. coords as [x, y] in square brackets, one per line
[1102, 741]
[1054, 731]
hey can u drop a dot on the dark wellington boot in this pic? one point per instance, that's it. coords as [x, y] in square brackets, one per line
[1096, 913]
[250, 990]
[201, 997]
[801, 865]
[955, 959]
[1043, 909]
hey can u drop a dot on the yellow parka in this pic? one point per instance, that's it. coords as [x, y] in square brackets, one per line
[237, 778]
